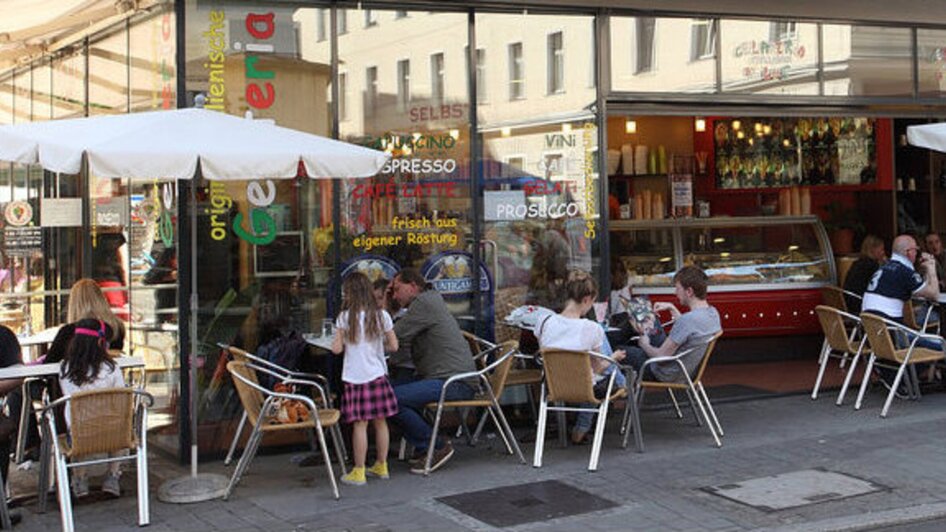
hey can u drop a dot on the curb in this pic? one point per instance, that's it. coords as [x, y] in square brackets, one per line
[870, 521]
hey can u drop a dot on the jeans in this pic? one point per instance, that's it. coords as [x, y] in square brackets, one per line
[411, 399]
[584, 419]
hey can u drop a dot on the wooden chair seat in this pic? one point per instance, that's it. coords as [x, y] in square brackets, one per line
[524, 376]
[920, 355]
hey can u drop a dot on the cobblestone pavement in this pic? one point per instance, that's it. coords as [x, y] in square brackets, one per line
[661, 489]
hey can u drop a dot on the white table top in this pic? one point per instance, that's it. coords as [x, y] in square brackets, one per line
[530, 328]
[322, 342]
[941, 298]
[42, 337]
[49, 370]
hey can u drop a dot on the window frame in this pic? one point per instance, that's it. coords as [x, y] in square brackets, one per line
[438, 93]
[555, 62]
[371, 90]
[640, 44]
[703, 41]
[403, 83]
[516, 71]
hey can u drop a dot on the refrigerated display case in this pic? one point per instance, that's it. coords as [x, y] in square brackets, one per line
[766, 273]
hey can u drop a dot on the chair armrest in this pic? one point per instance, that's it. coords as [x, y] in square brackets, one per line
[290, 380]
[851, 294]
[480, 374]
[677, 358]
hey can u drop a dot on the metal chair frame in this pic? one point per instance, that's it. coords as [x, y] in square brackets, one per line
[832, 346]
[266, 413]
[236, 353]
[696, 392]
[601, 409]
[140, 426]
[908, 357]
[494, 411]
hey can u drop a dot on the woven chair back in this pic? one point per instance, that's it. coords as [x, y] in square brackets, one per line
[833, 296]
[101, 421]
[497, 380]
[251, 398]
[507, 300]
[710, 347]
[832, 325]
[238, 354]
[568, 376]
[475, 347]
[879, 337]
[909, 315]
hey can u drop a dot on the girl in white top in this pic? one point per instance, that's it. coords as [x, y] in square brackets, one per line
[365, 332]
[570, 330]
[88, 366]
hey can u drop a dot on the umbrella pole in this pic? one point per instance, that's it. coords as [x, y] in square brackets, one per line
[205, 486]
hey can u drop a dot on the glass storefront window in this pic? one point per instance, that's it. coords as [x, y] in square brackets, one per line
[931, 57]
[867, 60]
[108, 74]
[69, 84]
[541, 216]
[409, 98]
[648, 255]
[22, 80]
[152, 67]
[769, 57]
[42, 90]
[6, 99]
[663, 54]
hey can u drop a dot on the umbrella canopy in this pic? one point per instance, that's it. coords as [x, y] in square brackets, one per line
[932, 136]
[171, 144]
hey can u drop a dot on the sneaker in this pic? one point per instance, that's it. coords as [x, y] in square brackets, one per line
[355, 477]
[441, 456]
[111, 486]
[80, 486]
[379, 469]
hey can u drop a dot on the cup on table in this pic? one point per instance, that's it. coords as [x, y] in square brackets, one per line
[328, 327]
[601, 311]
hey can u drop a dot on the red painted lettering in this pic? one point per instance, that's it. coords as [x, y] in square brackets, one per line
[255, 97]
[268, 27]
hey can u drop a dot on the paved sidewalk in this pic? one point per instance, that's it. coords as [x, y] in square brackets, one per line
[662, 489]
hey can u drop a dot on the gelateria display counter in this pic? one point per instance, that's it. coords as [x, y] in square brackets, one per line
[766, 273]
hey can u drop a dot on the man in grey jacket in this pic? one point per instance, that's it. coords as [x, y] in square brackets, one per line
[430, 335]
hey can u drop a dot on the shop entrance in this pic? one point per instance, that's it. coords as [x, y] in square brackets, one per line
[769, 203]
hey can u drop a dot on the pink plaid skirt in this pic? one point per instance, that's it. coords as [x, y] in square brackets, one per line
[367, 401]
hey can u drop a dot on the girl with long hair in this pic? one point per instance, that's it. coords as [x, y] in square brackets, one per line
[86, 300]
[88, 366]
[364, 332]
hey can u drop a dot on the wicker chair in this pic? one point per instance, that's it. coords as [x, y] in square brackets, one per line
[877, 330]
[518, 376]
[569, 379]
[909, 317]
[103, 421]
[243, 356]
[260, 406]
[693, 386]
[836, 297]
[840, 333]
[492, 381]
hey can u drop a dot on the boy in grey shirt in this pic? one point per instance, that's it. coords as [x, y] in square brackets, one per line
[693, 329]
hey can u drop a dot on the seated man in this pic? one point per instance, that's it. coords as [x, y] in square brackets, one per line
[690, 330]
[438, 351]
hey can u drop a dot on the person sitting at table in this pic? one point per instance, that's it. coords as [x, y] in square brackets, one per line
[570, 330]
[86, 300]
[88, 366]
[10, 355]
[934, 246]
[691, 330]
[431, 338]
[858, 277]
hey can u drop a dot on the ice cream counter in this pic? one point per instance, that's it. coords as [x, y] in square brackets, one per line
[766, 273]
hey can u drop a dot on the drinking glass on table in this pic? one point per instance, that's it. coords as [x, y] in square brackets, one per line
[328, 328]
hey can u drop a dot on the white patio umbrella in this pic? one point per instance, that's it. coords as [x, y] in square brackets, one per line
[931, 136]
[175, 145]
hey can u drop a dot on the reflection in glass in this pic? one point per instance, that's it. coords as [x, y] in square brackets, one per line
[867, 60]
[649, 55]
[769, 57]
[69, 85]
[931, 57]
[108, 74]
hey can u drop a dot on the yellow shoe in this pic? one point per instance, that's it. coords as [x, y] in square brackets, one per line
[355, 478]
[379, 469]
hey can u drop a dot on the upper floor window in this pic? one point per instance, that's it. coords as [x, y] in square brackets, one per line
[517, 72]
[400, 13]
[342, 95]
[341, 19]
[403, 84]
[371, 90]
[436, 77]
[645, 44]
[321, 15]
[371, 18]
[702, 38]
[784, 29]
[556, 63]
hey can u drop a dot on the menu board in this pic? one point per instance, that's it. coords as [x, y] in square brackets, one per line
[755, 152]
[22, 241]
